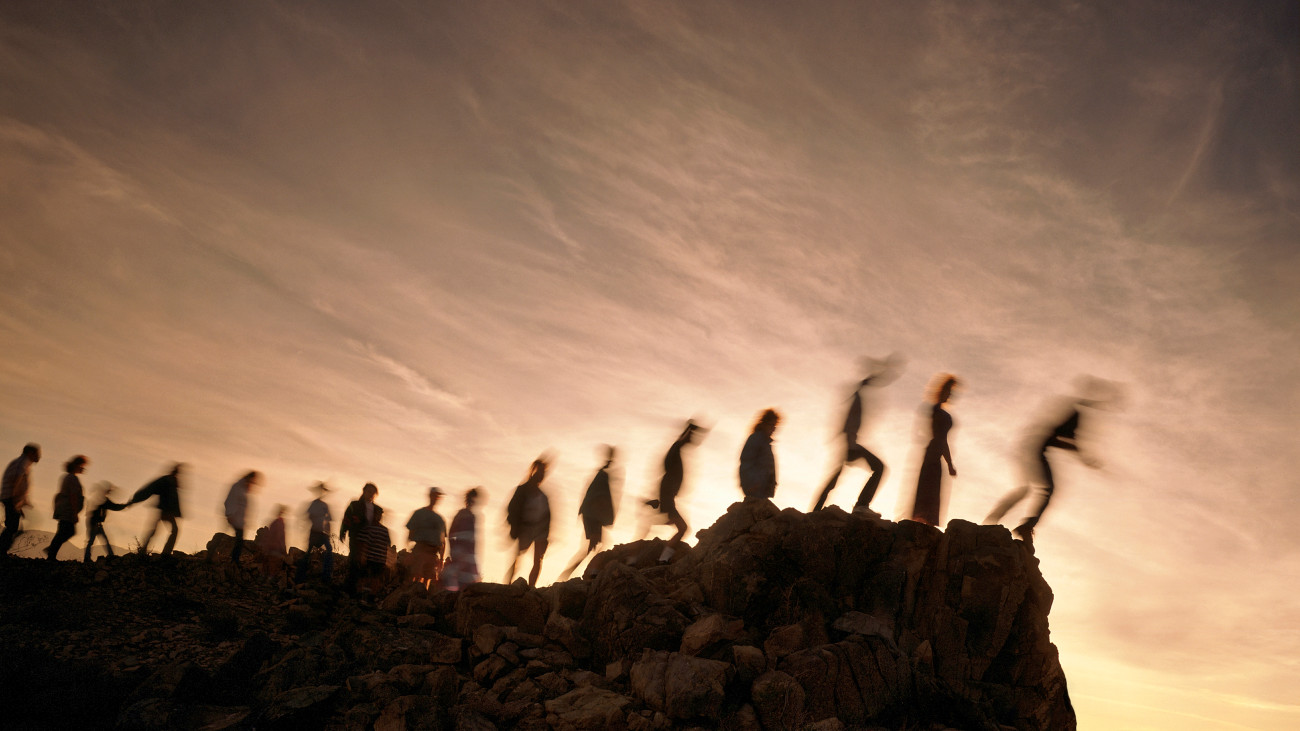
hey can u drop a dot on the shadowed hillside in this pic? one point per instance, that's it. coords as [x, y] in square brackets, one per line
[776, 619]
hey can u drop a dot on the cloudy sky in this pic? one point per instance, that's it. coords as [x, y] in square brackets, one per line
[419, 243]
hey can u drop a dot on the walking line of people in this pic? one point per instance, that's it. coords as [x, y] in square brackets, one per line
[446, 557]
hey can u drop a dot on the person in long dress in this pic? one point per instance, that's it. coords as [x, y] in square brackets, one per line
[929, 483]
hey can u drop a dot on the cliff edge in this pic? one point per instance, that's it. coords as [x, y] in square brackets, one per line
[776, 619]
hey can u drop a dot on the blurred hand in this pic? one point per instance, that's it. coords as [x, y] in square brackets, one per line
[952, 470]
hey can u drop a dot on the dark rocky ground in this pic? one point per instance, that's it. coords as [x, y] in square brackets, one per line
[774, 620]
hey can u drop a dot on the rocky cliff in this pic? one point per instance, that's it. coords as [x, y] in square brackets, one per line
[776, 619]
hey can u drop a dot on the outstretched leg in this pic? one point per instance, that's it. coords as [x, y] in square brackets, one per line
[171, 539]
[826, 491]
[581, 556]
[1026, 528]
[877, 468]
[676, 519]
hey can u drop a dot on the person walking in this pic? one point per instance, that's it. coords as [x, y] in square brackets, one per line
[1057, 429]
[462, 561]
[670, 487]
[318, 536]
[237, 510]
[881, 373]
[95, 519]
[596, 511]
[167, 489]
[428, 532]
[529, 517]
[68, 502]
[13, 493]
[359, 515]
[757, 462]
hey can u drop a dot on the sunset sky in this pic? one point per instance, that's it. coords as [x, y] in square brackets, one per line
[419, 243]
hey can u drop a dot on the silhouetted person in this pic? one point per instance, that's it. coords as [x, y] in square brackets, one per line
[95, 519]
[167, 489]
[360, 514]
[881, 373]
[597, 512]
[318, 536]
[670, 486]
[237, 510]
[929, 483]
[274, 545]
[462, 560]
[428, 531]
[13, 493]
[529, 516]
[757, 462]
[1056, 428]
[376, 546]
[68, 502]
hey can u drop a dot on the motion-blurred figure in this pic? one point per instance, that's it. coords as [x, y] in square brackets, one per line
[68, 502]
[274, 544]
[462, 563]
[879, 373]
[318, 536]
[13, 493]
[670, 486]
[929, 482]
[95, 518]
[359, 515]
[757, 462]
[597, 511]
[1057, 427]
[377, 547]
[428, 531]
[529, 516]
[237, 510]
[168, 490]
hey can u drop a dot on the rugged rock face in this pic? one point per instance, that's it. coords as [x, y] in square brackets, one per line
[775, 620]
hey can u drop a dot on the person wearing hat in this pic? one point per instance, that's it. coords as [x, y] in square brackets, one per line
[428, 531]
[318, 515]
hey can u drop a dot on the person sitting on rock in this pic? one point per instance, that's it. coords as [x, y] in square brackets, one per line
[462, 561]
[529, 516]
[95, 518]
[428, 531]
[360, 514]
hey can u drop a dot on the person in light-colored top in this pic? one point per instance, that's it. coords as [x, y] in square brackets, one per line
[462, 561]
[318, 536]
[428, 531]
[13, 493]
